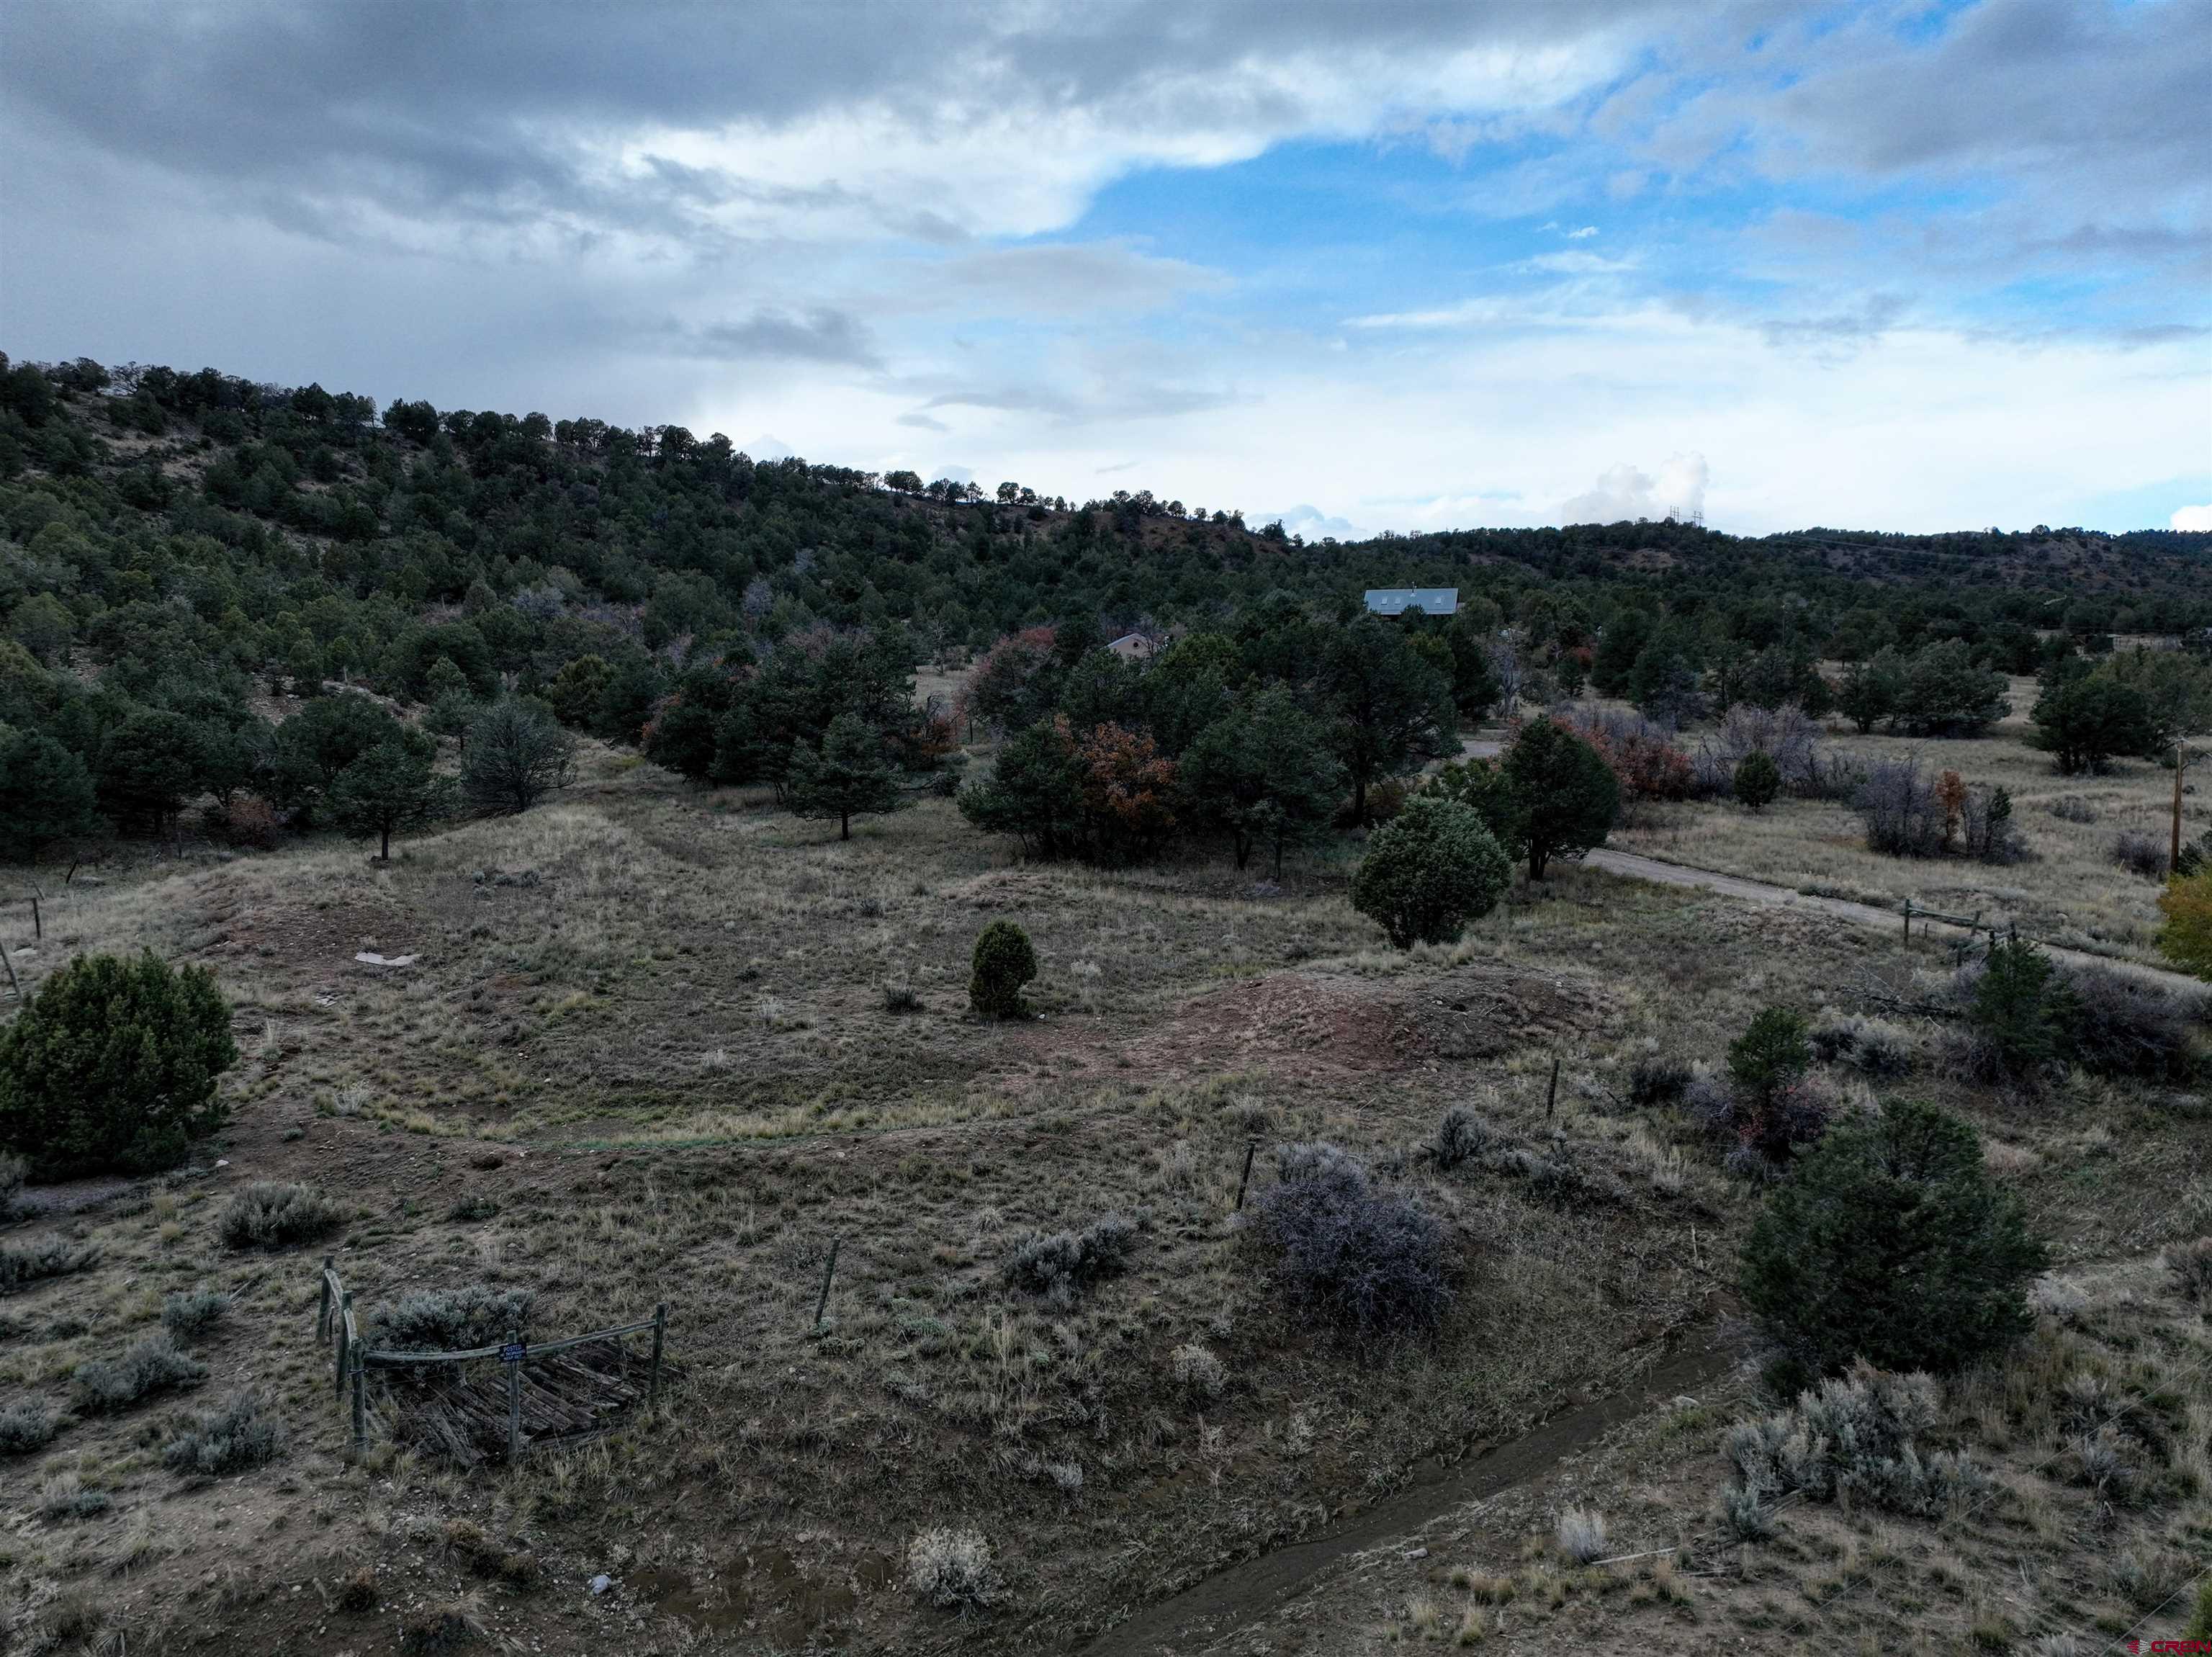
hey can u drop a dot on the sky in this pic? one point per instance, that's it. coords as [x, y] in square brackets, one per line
[1382, 265]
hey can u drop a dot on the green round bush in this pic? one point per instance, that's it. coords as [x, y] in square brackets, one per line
[112, 1063]
[1429, 871]
[1758, 779]
[1890, 1242]
[1003, 963]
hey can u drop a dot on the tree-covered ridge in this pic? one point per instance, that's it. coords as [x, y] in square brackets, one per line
[171, 539]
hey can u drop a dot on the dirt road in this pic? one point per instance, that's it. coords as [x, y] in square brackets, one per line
[1638, 868]
[1245, 1593]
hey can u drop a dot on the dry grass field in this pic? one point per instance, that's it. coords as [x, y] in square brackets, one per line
[645, 1053]
[2068, 891]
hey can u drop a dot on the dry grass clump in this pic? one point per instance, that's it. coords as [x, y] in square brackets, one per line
[487, 1557]
[13, 1172]
[449, 1319]
[1581, 1534]
[2191, 1263]
[268, 1213]
[952, 1566]
[152, 1366]
[1060, 1265]
[42, 1257]
[28, 1424]
[1200, 1375]
[230, 1440]
[437, 1628]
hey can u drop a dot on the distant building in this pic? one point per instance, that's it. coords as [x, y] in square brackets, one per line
[1131, 647]
[1428, 601]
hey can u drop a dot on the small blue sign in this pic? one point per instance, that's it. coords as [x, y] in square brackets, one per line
[511, 1353]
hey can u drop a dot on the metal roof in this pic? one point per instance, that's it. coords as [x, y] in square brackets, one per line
[1428, 601]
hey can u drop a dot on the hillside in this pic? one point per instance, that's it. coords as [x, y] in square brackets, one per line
[218, 529]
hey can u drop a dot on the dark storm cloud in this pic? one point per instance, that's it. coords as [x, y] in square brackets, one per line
[822, 335]
[493, 111]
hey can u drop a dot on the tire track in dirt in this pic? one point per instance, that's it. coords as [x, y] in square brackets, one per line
[1243, 1594]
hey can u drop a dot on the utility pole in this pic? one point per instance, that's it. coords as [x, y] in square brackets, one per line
[2180, 750]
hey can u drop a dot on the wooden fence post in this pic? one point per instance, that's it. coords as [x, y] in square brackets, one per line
[346, 1329]
[360, 1406]
[828, 1271]
[323, 1301]
[1552, 1093]
[1908, 920]
[38, 926]
[653, 1382]
[1251, 1149]
[513, 1402]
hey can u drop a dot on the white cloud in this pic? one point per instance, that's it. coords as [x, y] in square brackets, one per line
[1587, 231]
[1308, 521]
[1575, 262]
[1622, 491]
[2191, 517]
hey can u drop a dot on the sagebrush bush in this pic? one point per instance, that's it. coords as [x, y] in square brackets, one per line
[448, 1319]
[1198, 1372]
[1461, 1136]
[230, 1440]
[1555, 1179]
[42, 1257]
[1656, 1081]
[1368, 1258]
[268, 1213]
[1061, 1265]
[14, 1170]
[28, 1424]
[1003, 962]
[1429, 871]
[951, 1566]
[2138, 854]
[1867, 1045]
[1764, 1129]
[2118, 1025]
[1856, 1436]
[152, 1366]
[112, 1063]
[2191, 1266]
[186, 1314]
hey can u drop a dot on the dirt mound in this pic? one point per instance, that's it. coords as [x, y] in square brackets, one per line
[1318, 1022]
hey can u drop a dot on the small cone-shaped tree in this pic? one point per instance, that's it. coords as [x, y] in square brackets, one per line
[845, 778]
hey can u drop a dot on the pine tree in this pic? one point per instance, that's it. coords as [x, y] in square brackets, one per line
[1568, 793]
[1891, 1243]
[394, 786]
[844, 779]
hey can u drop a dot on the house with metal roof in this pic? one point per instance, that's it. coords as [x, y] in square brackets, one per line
[1428, 601]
